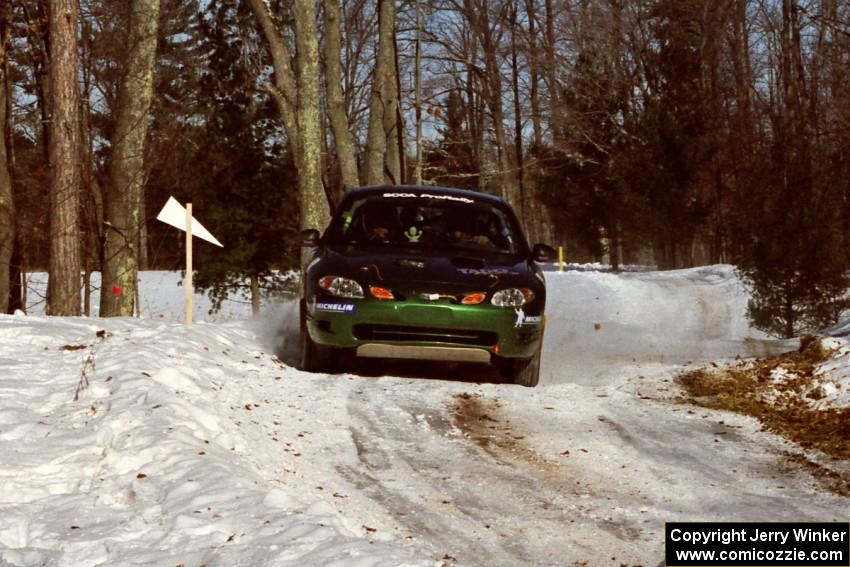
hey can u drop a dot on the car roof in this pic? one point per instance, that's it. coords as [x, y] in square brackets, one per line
[376, 189]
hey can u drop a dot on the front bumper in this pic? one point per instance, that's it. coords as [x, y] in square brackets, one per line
[347, 323]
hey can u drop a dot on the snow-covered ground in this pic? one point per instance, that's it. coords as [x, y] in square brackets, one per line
[204, 445]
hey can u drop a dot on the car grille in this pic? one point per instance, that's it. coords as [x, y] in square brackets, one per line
[401, 333]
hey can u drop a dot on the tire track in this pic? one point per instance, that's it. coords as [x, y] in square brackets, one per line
[458, 477]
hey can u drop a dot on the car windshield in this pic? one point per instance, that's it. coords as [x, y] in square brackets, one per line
[439, 222]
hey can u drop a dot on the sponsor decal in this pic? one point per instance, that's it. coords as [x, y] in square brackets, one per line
[523, 319]
[335, 307]
[400, 195]
[446, 197]
[427, 196]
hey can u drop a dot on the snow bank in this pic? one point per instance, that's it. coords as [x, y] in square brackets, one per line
[600, 322]
[830, 386]
[152, 465]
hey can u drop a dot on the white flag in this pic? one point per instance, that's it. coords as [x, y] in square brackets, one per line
[174, 213]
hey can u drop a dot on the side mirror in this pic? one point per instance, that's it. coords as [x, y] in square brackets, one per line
[309, 238]
[542, 253]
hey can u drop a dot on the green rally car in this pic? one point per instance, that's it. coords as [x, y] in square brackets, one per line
[424, 273]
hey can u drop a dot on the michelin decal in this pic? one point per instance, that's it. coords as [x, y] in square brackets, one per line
[335, 307]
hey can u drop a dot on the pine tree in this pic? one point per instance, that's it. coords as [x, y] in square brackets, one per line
[245, 165]
[65, 144]
[798, 268]
[7, 204]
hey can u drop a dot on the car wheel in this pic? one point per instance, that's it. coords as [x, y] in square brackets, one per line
[522, 371]
[314, 358]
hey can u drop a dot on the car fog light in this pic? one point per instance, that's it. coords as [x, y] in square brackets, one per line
[380, 292]
[473, 298]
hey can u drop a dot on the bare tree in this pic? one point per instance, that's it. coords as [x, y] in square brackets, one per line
[315, 212]
[534, 73]
[7, 203]
[393, 127]
[63, 288]
[555, 114]
[383, 79]
[417, 93]
[284, 90]
[487, 20]
[297, 97]
[125, 194]
[521, 201]
[336, 100]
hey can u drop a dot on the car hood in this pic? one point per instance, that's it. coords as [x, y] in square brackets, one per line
[412, 269]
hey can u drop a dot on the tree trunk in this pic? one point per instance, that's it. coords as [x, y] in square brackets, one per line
[63, 288]
[284, 91]
[417, 93]
[398, 139]
[509, 188]
[17, 289]
[127, 173]
[522, 209]
[255, 295]
[315, 212]
[555, 114]
[473, 116]
[392, 157]
[92, 199]
[383, 74]
[7, 203]
[336, 101]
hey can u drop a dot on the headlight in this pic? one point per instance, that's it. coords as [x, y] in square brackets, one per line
[341, 287]
[512, 297]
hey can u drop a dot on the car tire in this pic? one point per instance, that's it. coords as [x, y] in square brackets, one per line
[522, 371]
[313, 357]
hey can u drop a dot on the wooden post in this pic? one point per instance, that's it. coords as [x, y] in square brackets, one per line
[560, 258]
[188, 282]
